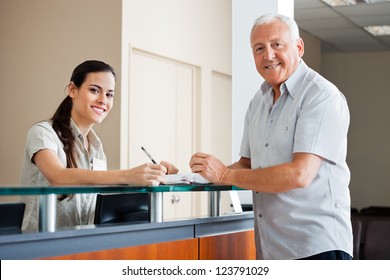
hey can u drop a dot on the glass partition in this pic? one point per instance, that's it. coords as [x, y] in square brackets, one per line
[44, 190]
[48, 197]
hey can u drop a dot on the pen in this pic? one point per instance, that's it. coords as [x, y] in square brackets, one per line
[149, 156]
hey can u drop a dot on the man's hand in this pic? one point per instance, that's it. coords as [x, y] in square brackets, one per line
[209, 167]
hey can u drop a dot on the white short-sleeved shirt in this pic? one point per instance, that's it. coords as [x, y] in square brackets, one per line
[311, 116]
[78, 210]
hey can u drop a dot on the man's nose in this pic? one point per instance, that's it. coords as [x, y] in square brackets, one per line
[269, 53]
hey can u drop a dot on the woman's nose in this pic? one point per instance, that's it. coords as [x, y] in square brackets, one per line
[102, 98]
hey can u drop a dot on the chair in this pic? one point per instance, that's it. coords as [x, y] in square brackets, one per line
[377, 240]
[354, 211]
[11, 217]
[376, 211]
[357, 227]
[119, 208]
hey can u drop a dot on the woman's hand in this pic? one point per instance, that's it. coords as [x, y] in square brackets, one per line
[171, 169]
[148, 174]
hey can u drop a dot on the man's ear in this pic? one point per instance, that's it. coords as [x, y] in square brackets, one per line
[301, 47]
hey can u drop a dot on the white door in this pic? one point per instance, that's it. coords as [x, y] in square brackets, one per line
[176, 87]
[164, 124]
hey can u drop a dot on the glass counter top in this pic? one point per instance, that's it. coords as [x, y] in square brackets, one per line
[43, 190]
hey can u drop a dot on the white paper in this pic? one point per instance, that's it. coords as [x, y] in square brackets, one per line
[185, 178]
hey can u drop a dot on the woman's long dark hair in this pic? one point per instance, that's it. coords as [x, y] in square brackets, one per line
[61, 118]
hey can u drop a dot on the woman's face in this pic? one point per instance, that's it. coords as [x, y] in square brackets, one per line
[93, 100]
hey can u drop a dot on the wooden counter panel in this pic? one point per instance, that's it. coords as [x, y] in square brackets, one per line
[176, 250]
[233, 246]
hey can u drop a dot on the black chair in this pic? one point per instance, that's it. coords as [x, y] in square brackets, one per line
[120, 208]
[376, 211]
[354, 211]
[377, 240]
[357, 227]
[11, 217]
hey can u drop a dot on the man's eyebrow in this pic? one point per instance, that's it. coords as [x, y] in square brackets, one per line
[256, 44]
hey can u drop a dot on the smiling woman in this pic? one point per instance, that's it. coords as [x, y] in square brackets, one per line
[66, 151]
[92, 101]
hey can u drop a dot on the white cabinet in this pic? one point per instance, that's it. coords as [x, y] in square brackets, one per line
[176, 88]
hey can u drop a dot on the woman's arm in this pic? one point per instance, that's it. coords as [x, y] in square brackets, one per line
[57, 174]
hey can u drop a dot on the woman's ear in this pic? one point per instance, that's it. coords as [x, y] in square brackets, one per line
[72, 90]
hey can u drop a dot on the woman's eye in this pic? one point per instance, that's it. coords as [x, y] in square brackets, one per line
[94, 90]
[110, 95]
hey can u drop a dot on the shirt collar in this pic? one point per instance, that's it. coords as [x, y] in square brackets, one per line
[292, 83]
[94, 140]
[295, 79]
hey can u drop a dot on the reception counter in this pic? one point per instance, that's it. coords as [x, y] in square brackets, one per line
[227, 236]
[223, 237]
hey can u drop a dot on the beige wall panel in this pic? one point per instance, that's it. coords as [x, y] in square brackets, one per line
[41, 43]
[363, 78]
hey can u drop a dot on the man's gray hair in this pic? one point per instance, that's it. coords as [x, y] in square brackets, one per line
[291, 24]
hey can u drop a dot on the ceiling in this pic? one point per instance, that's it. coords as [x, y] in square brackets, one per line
[341, 28]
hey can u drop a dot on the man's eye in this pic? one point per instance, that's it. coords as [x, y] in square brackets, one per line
[278, 45]
[259, 49]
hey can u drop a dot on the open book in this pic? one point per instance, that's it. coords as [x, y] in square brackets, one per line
[185, 178]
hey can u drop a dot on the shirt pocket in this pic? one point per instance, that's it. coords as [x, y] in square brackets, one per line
[282, 142]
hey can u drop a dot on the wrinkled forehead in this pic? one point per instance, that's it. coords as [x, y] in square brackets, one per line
[284, 22]
[271, 31]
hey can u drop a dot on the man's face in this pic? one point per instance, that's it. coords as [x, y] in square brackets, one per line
[276, 55]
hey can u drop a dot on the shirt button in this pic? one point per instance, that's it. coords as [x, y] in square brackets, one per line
[266, 144]
[260, 215]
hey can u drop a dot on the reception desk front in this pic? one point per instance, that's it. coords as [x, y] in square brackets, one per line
[228, 236]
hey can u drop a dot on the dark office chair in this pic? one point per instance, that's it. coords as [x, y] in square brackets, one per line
[377, 240]
[357, 227]
[11, 217]
[120, 208]
[376, 211]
